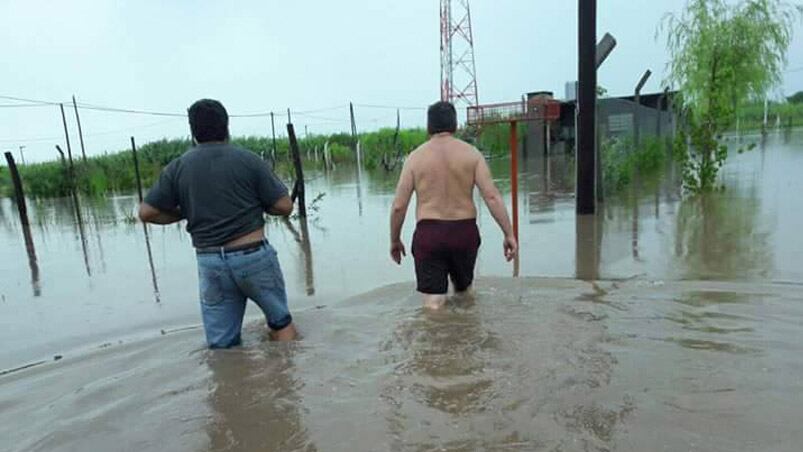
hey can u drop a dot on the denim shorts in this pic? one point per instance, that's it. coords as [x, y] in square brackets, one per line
[228, 279]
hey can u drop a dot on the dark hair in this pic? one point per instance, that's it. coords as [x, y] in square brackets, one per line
[441, 117]
[208, 121]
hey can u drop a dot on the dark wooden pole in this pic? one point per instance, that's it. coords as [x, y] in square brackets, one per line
[63, 159]
[298, 189]
[22, 207]
[353, 122]
[19, 194]
[586, 106]
[69, 148]
[273, 134]
[80, 132]
[136, 169]
[637, 110]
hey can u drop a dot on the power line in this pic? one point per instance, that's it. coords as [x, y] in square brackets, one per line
[23, 105]
[128, 110]
[88, 106]
[393, 107]
[33, 101]
[96, 134]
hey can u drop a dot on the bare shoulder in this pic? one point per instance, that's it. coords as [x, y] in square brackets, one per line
[473, 153]
[415, 155]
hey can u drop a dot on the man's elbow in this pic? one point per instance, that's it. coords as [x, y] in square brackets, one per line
[493, 198]
[398, 208]
[287, 210]
[283, 207]
[145, 213]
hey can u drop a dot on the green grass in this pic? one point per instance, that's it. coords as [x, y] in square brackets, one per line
[114, 172]
[751, 116]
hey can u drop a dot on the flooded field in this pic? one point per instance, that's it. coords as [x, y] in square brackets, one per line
[660, 324]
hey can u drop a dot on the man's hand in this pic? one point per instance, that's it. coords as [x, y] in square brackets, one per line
[397, 251]
[511, 248]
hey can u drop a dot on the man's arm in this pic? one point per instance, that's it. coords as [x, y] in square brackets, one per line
[282, 208]
[150, 214]
[404, 190]
[161, 203]
[271, 191]
[493, 199]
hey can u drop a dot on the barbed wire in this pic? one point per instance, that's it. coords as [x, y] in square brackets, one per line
[24, 102]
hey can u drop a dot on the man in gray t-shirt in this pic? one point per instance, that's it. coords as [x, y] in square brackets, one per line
[223, 192]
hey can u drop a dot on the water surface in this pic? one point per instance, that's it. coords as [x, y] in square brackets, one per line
[684, 335]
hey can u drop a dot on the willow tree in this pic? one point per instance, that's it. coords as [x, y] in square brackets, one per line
[722, 55]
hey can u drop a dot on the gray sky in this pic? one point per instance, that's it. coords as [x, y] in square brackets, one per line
[258, 56]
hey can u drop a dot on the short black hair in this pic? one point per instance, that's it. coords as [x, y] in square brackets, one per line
[208, 121]
[441, 117]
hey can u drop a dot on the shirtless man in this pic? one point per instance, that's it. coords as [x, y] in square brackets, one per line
[443, 172]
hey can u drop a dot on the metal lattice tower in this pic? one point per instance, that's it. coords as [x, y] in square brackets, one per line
[458, 72]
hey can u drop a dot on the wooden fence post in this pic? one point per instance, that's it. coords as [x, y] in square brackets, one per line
[298, 189]
[19, 194]
[22, 207]
[273, 134]
[136, 169]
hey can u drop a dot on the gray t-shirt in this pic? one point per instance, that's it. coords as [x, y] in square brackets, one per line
[221, 189]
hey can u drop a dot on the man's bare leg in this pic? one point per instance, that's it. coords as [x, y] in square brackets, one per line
[434, 301]
[465, 295]
[285, 334]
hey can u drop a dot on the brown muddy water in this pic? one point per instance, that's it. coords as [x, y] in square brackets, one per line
[661, 324]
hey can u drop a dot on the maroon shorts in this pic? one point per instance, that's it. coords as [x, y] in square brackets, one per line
[443, 249]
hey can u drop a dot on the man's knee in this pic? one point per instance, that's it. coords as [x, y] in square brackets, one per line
[222, 341]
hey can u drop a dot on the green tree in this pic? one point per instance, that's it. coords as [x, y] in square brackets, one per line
[796, 98]
[722, 55]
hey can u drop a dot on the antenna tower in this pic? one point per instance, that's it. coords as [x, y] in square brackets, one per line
[458, 72]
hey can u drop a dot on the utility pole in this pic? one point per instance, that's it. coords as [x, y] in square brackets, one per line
[586, 106]
[80, 132]
[69, 148]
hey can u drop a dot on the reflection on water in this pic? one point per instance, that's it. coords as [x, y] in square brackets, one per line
[305, 252]
[446, 352]
[747, 231]
[721, 239]
[588, 250]
[534, 364]
[33, 263]
[79, 224]
[150, 261]
[254, 401]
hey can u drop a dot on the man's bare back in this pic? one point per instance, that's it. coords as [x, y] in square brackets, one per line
[443, 172]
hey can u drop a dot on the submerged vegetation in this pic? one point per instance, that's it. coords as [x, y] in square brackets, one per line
[114, 172]
[623, 162]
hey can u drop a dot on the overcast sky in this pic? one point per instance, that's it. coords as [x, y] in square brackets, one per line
[258, 56]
